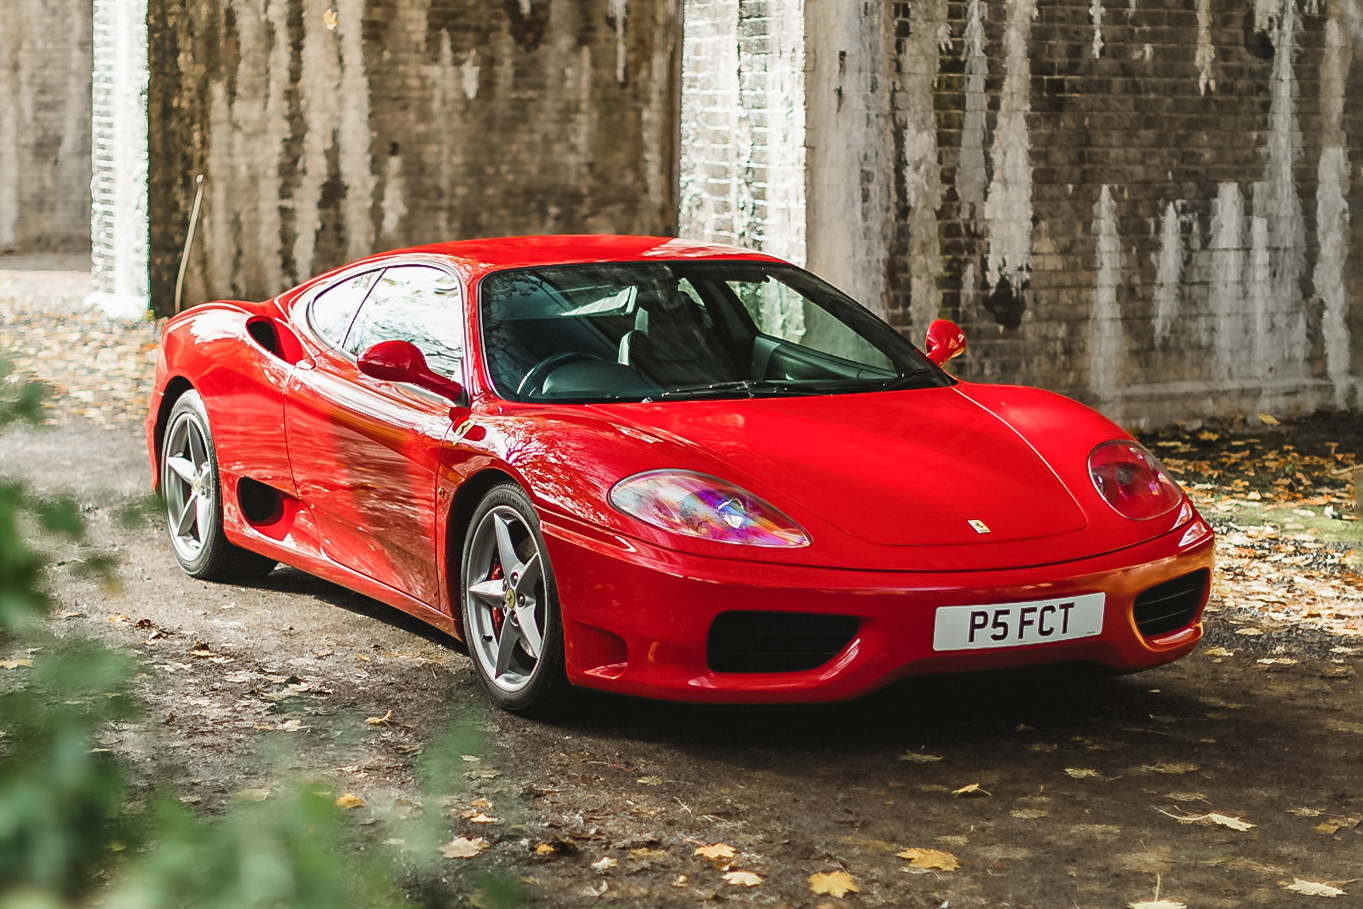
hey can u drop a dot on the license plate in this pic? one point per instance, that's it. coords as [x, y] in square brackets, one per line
[1018, 624]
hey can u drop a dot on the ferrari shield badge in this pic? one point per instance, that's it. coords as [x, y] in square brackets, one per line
[980, 526]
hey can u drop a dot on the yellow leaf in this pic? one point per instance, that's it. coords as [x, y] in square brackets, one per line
[717, 851]
[1305, 812]
[331, 20]
[1313, 888]
[478, 817]
[649, 781]
[834, 883]
[1220, 652]
[969, 789]
[1158, 904]
[1327, 828]
[463, 847]
[930, 859]
[1080, 773]
[380, 720]
[15, 664]
[350, 800]
[918, 757]
[1267, 419]
[605, 863]
[545, 849]
[679, 881]
[643, 852]
[743, 879]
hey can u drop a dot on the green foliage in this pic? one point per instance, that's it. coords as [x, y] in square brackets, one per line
[65, 825]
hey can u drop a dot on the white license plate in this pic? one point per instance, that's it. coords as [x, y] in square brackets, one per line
[1018, 624]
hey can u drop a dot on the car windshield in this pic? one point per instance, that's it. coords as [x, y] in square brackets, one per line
[646, 331]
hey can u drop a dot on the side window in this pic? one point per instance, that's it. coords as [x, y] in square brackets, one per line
[333, 309]
[414, 303]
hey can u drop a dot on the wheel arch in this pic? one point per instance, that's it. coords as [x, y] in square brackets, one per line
[466, 499]
[175, 389]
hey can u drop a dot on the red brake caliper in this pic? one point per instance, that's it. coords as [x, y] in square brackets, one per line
[498, 613]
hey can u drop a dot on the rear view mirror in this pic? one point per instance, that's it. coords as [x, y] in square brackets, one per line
[403, 361]
[945, 340]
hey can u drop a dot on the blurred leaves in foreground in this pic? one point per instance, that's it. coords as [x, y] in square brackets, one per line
[67, 825]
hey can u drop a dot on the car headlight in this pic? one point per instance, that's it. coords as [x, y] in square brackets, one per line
[696, 505]
[1132, 480]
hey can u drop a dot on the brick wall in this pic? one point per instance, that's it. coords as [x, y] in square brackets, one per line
[45, 124]
[329, 129]
[1155, 206]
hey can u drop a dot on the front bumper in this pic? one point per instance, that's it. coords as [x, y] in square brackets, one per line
[636, 617]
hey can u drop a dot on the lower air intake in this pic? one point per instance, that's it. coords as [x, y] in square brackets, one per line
[1170, 606]
[776, 641]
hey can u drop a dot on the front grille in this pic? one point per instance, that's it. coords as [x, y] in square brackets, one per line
[1170, 606]
[776, 641]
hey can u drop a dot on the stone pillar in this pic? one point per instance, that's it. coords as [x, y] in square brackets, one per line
[119, 227]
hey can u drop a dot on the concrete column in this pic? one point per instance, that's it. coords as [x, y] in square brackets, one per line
[119, 227]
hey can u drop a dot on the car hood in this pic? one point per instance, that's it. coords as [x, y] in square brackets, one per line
[925, 468]
[882, 481]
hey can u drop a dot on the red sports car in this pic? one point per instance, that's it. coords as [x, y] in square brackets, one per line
[663, 468]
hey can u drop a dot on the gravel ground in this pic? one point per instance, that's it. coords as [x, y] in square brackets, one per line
[1222, 780]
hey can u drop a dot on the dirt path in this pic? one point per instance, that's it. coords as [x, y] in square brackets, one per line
[1087, 792]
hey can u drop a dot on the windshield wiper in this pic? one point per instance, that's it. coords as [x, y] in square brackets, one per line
[748, 388]
[918, 378]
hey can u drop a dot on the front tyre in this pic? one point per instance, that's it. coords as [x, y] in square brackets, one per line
[192, 493]
[509, 605]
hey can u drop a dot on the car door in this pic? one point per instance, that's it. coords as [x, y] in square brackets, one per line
[364, 452]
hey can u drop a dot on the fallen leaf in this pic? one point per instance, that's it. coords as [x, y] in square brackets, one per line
[331, 20]
[557, 846]
[1267, 419]
[1313, 888]
[291, 725]
[1221, 652]
[468, 758]
[1305, 812]
[1158, 904]
[251, 795]
[649, 781]
[743, 879]
[919, 757]
[605, 863]
[643, 852]
[930, 859]
[679, 881]
[200, 649]
[478, 817]
[15, 664]
[117, 617]
[834, 883]
[717, 851]
[1207, 820]
[362, 658]
[1080, 773]
[969, 789]
[350, 800]
[463, 847]
[380, 720]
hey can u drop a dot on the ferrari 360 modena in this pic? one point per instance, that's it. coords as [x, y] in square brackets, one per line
[663, 468]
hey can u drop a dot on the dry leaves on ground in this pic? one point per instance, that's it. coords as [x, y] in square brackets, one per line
[930, 859]
[15, 664]
[463, 847]
[970, 789]
[1313, 888]
[742, 878]
[1210, 819]
[833, 883]
[350, 800]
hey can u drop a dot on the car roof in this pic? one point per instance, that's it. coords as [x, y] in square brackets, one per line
[482, 256]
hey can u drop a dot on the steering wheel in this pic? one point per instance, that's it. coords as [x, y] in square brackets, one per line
[541, 370]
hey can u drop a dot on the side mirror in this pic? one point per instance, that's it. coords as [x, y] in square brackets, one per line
[945, 340]
[403, 361]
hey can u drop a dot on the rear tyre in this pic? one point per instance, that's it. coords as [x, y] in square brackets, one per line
[192, 493]
[509, 606]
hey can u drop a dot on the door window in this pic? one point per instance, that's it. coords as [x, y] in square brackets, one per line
[416, 303]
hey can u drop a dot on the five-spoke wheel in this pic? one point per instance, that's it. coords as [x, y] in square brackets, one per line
[510, 607]
[193, 498]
